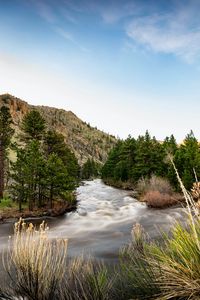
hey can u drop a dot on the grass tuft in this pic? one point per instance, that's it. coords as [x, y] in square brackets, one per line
[35, 264]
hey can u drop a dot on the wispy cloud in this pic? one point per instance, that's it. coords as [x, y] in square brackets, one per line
[176, 32]
[69, 37]
[45, 11]
[68, 16]
[114, 12]
[56, 14]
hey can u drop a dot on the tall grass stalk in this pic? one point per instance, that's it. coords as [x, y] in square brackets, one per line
[86, 280]
[34, 263]
[191, 205]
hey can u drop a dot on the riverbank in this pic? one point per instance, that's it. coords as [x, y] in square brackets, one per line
[128, 185]
[155, 191]
[60, 208]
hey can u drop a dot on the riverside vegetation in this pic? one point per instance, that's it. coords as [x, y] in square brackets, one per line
[141, 164]
[44, 170]
[38, 267]
[44, 173]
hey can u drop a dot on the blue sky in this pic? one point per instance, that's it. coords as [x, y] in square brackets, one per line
[124, 66]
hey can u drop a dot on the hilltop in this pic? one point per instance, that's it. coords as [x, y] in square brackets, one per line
[84, 140]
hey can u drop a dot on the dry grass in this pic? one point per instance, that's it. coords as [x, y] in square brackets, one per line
[154, 183]
[86, 279]
[38, 269]
[156, 199]
[157, 192]
[35, 264]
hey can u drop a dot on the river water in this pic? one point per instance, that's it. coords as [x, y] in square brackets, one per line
[103, 221]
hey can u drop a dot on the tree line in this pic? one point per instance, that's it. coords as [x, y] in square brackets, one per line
[44, 170]
[133, 159]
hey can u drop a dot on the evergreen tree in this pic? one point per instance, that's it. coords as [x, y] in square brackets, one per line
[149, 157]
[45, 167]
[6, 133]
[57, 179]
[28, 174]
[19, 188]
[187, 159]
[89, 169]
[54, 143]
[170, 147]
[113, 158]
[33, 126]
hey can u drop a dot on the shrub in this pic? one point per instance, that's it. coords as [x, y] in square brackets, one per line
[157, 192]
[158, 200]
[136, 277]
[170, 270]
[154, 183]
[178, 264]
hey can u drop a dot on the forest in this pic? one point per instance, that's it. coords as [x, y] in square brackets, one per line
[44, 169]
[133, 159]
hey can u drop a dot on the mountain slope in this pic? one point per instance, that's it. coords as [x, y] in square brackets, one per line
[85, 141]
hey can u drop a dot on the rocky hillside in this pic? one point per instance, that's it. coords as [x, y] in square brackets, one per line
[84, 140]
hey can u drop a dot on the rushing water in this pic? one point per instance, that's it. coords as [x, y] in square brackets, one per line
[103, 221]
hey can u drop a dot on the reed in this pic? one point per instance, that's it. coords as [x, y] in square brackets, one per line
[86, 279]
[35, 264]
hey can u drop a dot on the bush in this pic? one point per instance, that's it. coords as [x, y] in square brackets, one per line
[136, 278]
[156, 199]
[154, 183]
[157, 192]
[170, 270]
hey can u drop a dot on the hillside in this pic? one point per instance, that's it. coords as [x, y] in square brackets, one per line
[85, 141]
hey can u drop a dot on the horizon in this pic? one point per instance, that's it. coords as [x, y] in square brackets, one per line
[122, 66]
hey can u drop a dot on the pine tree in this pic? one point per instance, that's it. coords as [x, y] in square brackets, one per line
[19, 188]
[187, 159]
[33, 126]
[89, 169]
[57, 179]
[54, 143]
[170, 147]
[6, 133]
[113, 158]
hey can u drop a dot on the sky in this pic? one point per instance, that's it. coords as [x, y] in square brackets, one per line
[123, 66]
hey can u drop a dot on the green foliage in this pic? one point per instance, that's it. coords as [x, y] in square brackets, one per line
[33, 125]
[187, 159]
[45, 168]
[90, 169]
[54, 143]
[162, 271]
[6, 202]
[6, 133]
[131, 160]
[56, 177]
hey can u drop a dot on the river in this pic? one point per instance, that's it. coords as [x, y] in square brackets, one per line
[103, 221]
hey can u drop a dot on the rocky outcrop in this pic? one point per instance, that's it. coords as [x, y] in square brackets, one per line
[85, 141]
